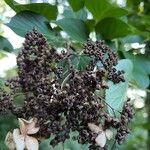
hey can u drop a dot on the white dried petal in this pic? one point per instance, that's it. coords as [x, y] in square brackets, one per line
[94, 128]
[109, 134]
[31, 143]
[18, 139]
[101, 139]
[31, 128]
[9, 141]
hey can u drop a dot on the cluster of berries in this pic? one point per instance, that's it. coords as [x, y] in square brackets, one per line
[63, 99]
[126, 115]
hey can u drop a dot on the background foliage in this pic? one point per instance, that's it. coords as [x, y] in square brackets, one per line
[74, 21]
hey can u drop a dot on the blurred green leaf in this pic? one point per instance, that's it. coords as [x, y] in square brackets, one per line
[115, 11]
[25, 21]
[5, 44]
[141, 69]
[111, 28]
[145, 125]
[12, 4]
[68, 13]
[141, 23]
[75, 28]
[45, 145]
[76, 4]
[132, 4]
[19, 100]
[2, 54]
[74, 145]
[134, 39]
[47, 10]
[116, 94]
[81, 14]
[67, 145]
[140, 77]
[81, 61]
[101, 9]
[90, 24]
[97, 7]
[11, 73]
[7, 123]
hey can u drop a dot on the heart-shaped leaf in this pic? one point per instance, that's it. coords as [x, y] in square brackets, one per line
[75, 28]
[141, 69]
[111, 28]
[116, 94]
[25, 21]
[101, 9]
[47, 10]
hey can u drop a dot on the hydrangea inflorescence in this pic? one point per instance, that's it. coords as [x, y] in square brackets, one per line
[62, 107]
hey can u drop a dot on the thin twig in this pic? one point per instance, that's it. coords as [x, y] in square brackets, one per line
[113, 109]
[65, 81]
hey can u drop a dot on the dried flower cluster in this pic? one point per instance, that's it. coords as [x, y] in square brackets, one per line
[126, 116]
[23, 138]
[63, 99]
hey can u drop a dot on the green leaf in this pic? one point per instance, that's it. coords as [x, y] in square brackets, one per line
[115, 11]
[111, 28]
[7, 123]
[145, 125]
[47, 10]
[2, 55]
[44, 145]
[74, 145]
[134, 39]
[12, 4]
[81, 61]
[67, 145]
[101, 9]
[76, 4]
[141, 69]
[81, 14]
[116, 94]
[68, 13]
[97, 7]
[141, 78]
[5, 44]
[90, 24]
[75, 28]
[25, 21]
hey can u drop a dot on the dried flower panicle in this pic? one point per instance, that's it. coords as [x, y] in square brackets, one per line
[63, 101]
[5, 101]
[126, 116]
[107, 57]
